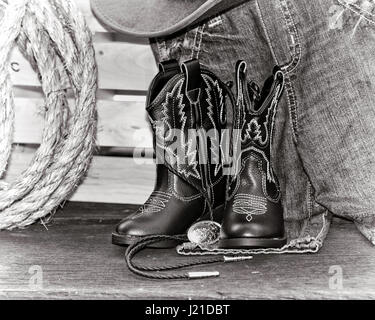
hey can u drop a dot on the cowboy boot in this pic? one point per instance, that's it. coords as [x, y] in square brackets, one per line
[186, 190]
[253, 216]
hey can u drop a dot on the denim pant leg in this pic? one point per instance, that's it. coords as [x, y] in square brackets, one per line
[330, 87]
[241, 34]
[334, 86]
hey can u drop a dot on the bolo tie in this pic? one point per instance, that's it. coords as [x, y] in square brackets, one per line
[205, 232]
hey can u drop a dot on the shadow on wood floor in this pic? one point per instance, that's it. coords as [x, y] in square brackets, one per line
[78, 261]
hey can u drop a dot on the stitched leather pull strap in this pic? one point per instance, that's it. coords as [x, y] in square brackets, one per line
[168, 66]
[167, 69]
[192, 71]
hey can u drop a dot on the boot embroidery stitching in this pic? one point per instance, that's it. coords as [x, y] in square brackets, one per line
[269, 175]
[212, 184]
[192, 164]
[186, 199]
[190, 155]
[253, 132]
[179, 197]
[233, 192]
[264, 185]
[198, 195]
[211, 85]
[268, 129]
[155, 203]
[249, 205]
[264, 176]
[177, 99]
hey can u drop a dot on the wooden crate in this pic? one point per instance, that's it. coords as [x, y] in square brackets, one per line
[125, 70]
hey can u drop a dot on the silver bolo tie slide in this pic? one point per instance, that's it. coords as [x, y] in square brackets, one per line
[207, 233]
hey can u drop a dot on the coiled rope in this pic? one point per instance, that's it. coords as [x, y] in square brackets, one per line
[55, 39]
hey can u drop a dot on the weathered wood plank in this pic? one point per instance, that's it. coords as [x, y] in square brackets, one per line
[121, 66]
[109, 179]
[87, 212]
[78, 261]
[120, 124]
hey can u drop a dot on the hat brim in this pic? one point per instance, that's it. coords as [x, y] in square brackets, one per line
[152, 18]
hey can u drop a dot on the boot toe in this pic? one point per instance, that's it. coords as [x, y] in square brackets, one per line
[129, 227]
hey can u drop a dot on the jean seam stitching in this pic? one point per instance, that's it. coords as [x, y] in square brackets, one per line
[292, 106]
[194, 43]
[359, 8]
[293, 32]
[291, 66]
[158, 44]
[360, 11]
[309, 199]
[303, 229]
[266, 32]
[319, 236]
[198, 42]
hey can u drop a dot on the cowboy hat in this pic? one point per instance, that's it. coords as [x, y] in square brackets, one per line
[156, 18]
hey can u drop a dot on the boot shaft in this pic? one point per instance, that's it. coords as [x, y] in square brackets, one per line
[188, 114]
[254, 117]
[253, 216]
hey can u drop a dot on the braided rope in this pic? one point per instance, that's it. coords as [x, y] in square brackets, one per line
[54, 37]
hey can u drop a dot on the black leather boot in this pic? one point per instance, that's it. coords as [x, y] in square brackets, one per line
[253, 217]
[186, 189]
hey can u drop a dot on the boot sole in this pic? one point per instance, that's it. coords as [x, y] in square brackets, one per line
[126, 240]
[252, 243]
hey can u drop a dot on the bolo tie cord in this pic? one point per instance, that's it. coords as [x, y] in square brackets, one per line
[149, 271]
[156, 272]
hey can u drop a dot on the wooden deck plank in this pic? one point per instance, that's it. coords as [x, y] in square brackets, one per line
[78, 261]
[120, 124]
[121, 66]
[108, 180]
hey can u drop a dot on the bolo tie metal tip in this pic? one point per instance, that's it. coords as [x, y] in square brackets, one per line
[239, 258]
[203, 274]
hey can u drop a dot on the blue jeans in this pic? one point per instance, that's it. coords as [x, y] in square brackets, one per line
[324, 145]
